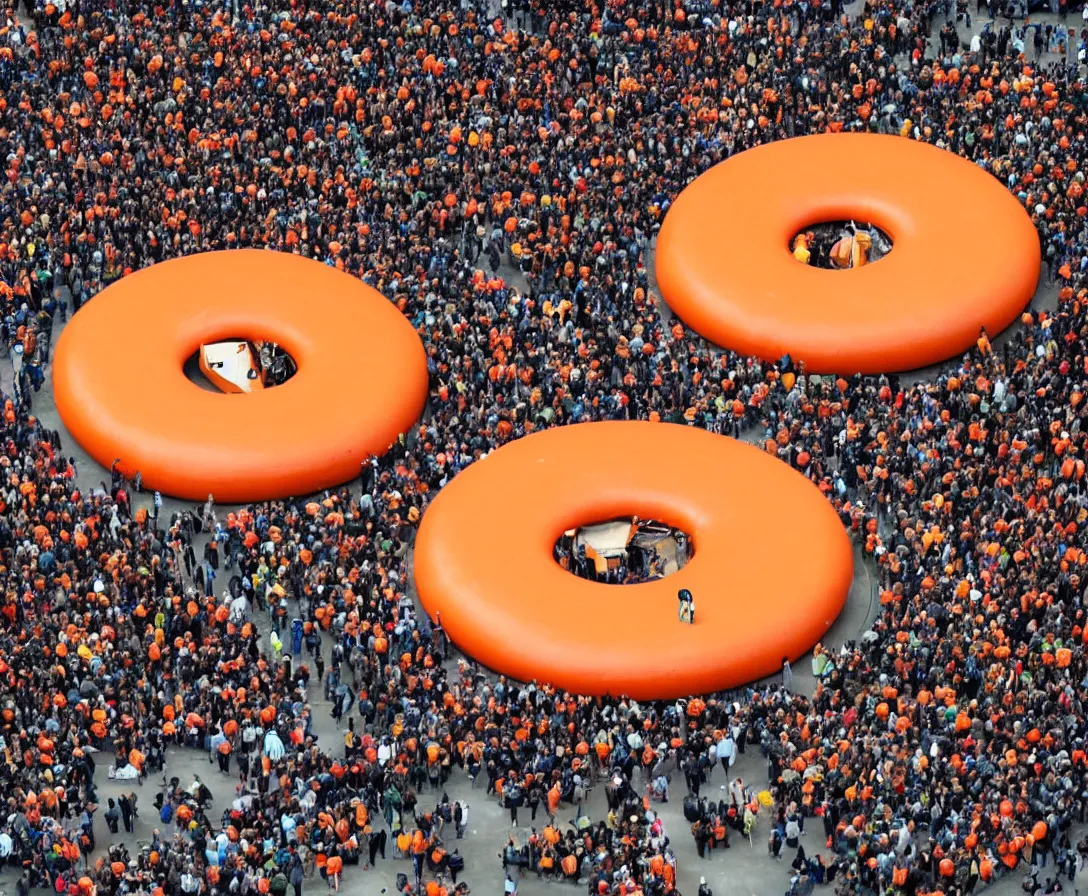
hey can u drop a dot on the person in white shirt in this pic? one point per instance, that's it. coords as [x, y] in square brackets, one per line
[727, 751]
[736, 791]
[793, 833]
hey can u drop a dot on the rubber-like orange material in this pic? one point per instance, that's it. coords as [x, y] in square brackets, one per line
[122, 392]
[484, 560]
[964, 254]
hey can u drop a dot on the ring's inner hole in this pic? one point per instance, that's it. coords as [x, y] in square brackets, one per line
[840, 245]
[624, 551]
[237, 365]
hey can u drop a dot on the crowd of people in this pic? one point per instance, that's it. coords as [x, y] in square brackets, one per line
[427, 147]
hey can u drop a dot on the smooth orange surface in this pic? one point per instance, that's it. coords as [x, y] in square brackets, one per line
[771, 570]
[964, 255]
[122, 392]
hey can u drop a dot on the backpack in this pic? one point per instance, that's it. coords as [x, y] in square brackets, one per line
[167, 814]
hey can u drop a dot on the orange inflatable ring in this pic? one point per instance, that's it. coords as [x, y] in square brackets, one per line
[121, 390]
[964, 254]
[484, 561]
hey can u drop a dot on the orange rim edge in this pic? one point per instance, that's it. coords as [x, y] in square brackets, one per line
[965, 254]
[771, 570]
[122, 392]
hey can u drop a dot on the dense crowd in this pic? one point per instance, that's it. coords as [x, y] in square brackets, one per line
[422, 147]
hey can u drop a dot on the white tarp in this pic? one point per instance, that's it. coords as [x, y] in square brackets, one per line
[607, 539]
[234, 362]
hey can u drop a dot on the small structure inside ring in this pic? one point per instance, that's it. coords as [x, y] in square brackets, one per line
[608, 545]
[239, 366]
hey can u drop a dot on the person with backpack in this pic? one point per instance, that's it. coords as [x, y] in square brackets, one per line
[536, 797]
[700, 835]
[512, 799]
[455, 864]
[774, 844]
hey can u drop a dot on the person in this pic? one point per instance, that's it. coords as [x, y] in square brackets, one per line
[456, 865]
[701, 835]
[726, 751]
[512, 797]
[127, 804]
[792, 833]
[687, 606]
[376, 843]
[775, 843]
[208, 517]
[223, 752]
[787, 674]
[295, 873]
[112, 815]
[368, 472]
[189, 882]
